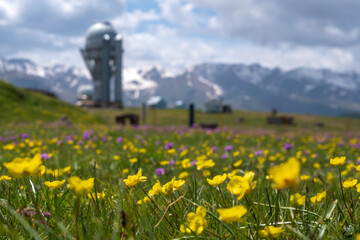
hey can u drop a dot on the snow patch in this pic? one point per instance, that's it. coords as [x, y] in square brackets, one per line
[217, 89]
[133, 80]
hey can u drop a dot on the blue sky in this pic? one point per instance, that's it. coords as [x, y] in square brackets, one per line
[177, 34]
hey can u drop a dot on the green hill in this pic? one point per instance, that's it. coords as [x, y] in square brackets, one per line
[20, 105]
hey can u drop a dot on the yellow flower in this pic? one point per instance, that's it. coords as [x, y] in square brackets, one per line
[319, 197]
[98, 195]
[238, 163]
[132, 180]
[196, 222]
[232, 174]
[171, 151]
[205, 164]
[169, 187]
[316, 180]
[183, 175]
[337, 161]
[116, 157]
[297, 199]
[240, 186]
[183, 152]
[271, 232]
[317, 166]
[206, 173]
[233, 214]
[9, 146]
[163, 163]
[358, 187]
[357, 236]
[156, 189]
[304, 177]
[5, 177]
[58, 172]
[24, 167]
[349, 183]
[133, 160]
[217, 180]
[285, 174]
[80, 187]
[178, 184]
[144, 200]
[172, 186]
[186, 163]
[329, 176]
[54, 184]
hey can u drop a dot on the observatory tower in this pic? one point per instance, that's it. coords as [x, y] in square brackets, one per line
[103, 57]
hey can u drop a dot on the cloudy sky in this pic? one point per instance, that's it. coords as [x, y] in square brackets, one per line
[176, 34]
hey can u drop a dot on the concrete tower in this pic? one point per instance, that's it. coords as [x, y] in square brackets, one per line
[103, 57]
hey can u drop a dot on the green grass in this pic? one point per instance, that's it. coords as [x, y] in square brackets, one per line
[252, 120]
[22, 106]
[31, 210]
[118, 214]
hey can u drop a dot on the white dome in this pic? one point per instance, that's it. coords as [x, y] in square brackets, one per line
[97, 32]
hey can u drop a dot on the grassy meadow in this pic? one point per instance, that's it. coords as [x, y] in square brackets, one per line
[163, 180]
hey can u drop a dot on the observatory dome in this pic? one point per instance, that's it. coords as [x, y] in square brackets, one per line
[96, 32]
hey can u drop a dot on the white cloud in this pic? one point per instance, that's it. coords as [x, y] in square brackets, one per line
[181, 33]
[9, 11]
[129, 21]
[166, 47]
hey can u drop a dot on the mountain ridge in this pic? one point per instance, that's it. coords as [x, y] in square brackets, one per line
[250, 87]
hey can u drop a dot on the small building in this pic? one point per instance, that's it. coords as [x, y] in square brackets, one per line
[156, 102]
[180, 104]
[85, 95]
[213, 106]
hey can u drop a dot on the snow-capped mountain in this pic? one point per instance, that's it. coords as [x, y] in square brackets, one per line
[58, 79]
[252, 87]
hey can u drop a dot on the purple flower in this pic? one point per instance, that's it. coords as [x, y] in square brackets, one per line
[169, 146]
[214, 149]
[172, 162]
[104, 139]
[86, 135]
[258, 152]
[160, 171]
[69, 138]
[193, 163]
[45, 156]
[224, 156]
[228, 148]
[46, 214]
[24, 135]
[288, 146]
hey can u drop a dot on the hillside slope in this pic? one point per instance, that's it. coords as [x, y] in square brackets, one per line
[19, 105]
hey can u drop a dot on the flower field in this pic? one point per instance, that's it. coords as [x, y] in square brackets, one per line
[177, 183]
